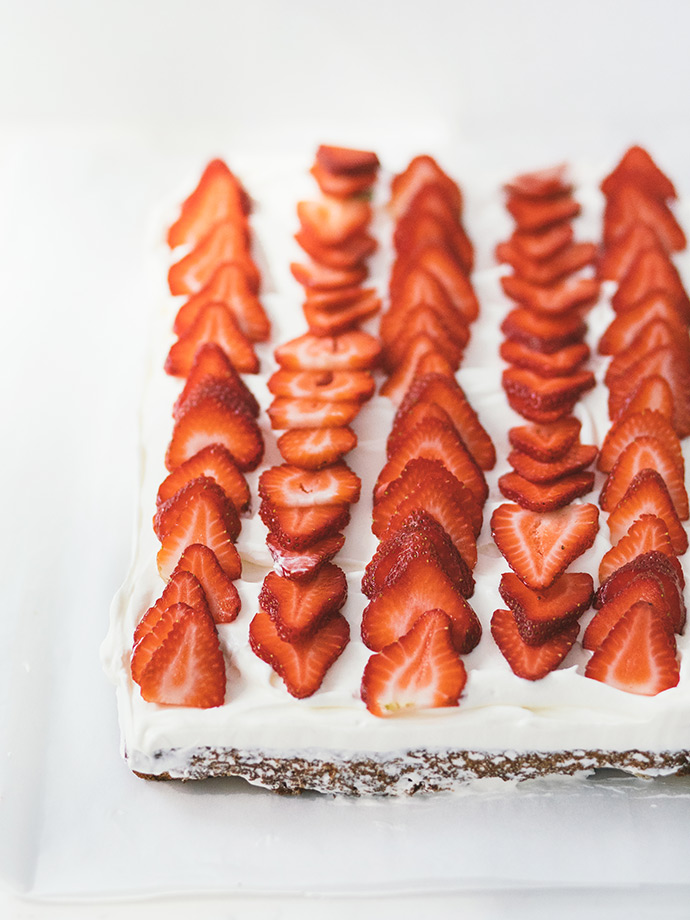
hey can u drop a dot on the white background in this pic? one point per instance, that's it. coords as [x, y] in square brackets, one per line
[133, 88]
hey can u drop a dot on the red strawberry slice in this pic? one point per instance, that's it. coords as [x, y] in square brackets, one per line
[421, 670]
[228, 285]
[578, 458]
[214, 323]
[215, 462]
[644, 587]
[653, 393]
[402, 328]
[299, 608]
[557, 364]
[422, 171]
[418, 533]
[436, 441]
[345, 255]
[655, 334]
[317, 277]
[314, 448]
[547, 272]
[428, 482]
[225, 242]
[333, 220]
[418, 414]
[221, 594]
[632, 205]
[646, 452]
[203, 487]
[330, 386]
[212, 366]
[639, 169]
[343, 185]
[209, 420]
[546, 443]
[446, 270]
[434, 363]
[652, 271]
[448, 395]
[539, 213]
[200, 521]
[416, 349]
[543, 497]
[187, 667]
[302, 563]
[413, 586]
[664, 361]
[627, 326]
[351, 351]
[431, 199]
[553, 300]
[647, 534]
[300, 528]
[623, 251]
[183, 588]
[333, 320]
[543, 333]
[539, 547]
[540, 615]
[288, 486]
[302, 665]
[541, 245]
[638, 655]
[636, 424]
[542, 183]
[218, 197]
[647, 494]
[532, 662]
[346, 161]
[286, 412]
[417, 231]
[417, 286]
[333, 301]
[544, 393]
[666, 569]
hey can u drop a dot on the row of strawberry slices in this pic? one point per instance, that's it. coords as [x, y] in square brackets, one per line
[640, 599]
[323, 380]
[429, 496]
[176, 657]
[542, 533]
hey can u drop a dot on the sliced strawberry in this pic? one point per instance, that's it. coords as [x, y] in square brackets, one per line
[212, 366]
[187, 667]
[545, 496]
[576, 459]
[414, 288]
[299, 608]
[647, 534]
[546, 443]
[539, 213]
[299, 528]
[446, 270]
[539, 547]
[631, 205]
[218, 197]
[322, 321]
[413, 586]
[228, 285]
[656, 334]
[666, 362]
[544, 393]
[623, 251]
[651, 393]
[302, 665]
[539, 615]
[436, 441]
[335, 300]
[638, 655]
[543, 333]
[214, 323]
[221, 594]
[419, 413]
[637, 168]
[666, 569]
[329, 386]
[345, 255]
[418, 532]
[225, 242]
[431, 199]
[287, 412]
[416, 231]
[209, 420]
[416, 348]
[646, 452]
[316, 277]
[435, 363]
[302, 563]
[398, 329]
[627, 326]
[351, 351]
[647, 494]
[652, 271]
[552, 300]
[426, 481]
[649, 422]
[542, 183]
[343, 185]
[643, 587]
[557, 364]
[346, 161]
[422, 171]
[421, 670]
[541, 245]
[291, 487]
[200, 521]
[215, 462]
[532, 662]
[202, 487]
[333, 220]
[547, 272]
[314, 448]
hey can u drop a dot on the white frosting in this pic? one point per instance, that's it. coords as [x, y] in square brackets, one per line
[498, 711]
